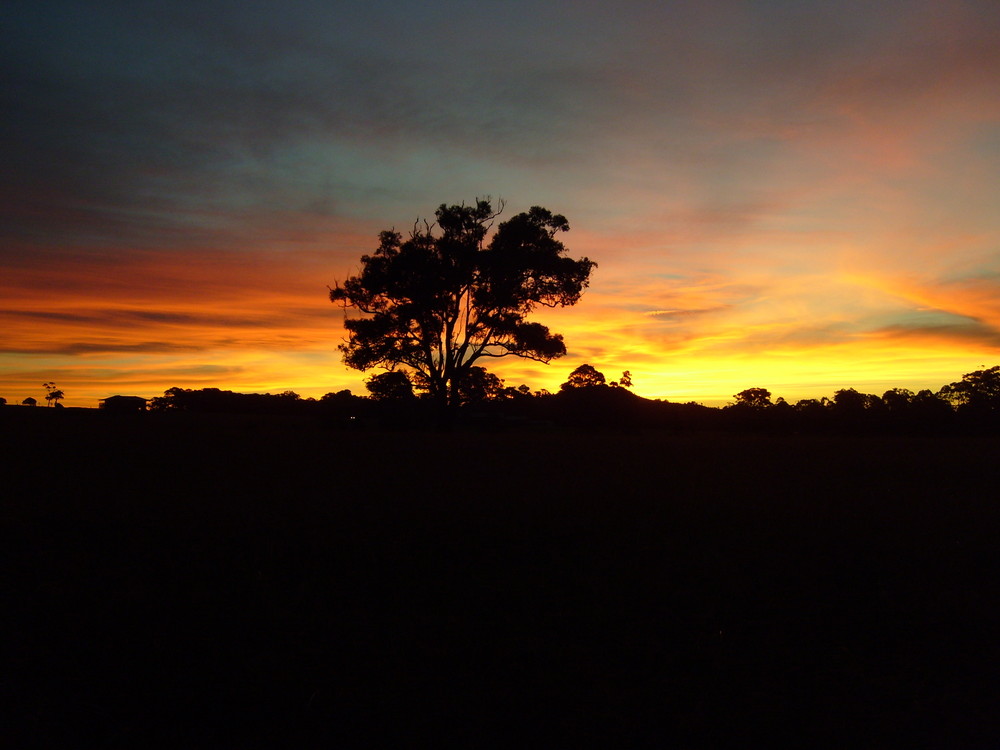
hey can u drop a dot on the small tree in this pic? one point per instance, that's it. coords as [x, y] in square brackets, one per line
[443, 299]
[53, 395]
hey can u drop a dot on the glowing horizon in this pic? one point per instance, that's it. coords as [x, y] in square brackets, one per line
[798, 199]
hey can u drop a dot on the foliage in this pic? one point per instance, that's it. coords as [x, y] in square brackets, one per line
[480, 385]
[393, 385]
[851, 401]
[216, 400]
[446, 297]
[753, 398]
[585, 401]
[52, 394]
[979, 390]
[897, 400]
[584, 376]
[124, 404]
[343, 395]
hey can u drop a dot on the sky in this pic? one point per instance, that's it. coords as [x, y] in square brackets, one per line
[802, 196]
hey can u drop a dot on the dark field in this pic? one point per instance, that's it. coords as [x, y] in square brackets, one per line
[189, 581]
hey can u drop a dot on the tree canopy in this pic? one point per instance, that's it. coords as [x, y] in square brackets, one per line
[398, 398]
[753, 398]
[53, 395]
[390, 386]
[979, 390]
[452, 294]
[585, 376]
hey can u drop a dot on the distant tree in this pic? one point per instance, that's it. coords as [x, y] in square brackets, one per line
[849, 400]
[480, 385]
[394, 385]
[929, 397]
[443, 299]
[53, 395]
[625, 381]
[343, 395]
[931, 408]
[214, 400]
[29, 401]
[753, 398]
[978, 391]
[510, 393]
[3, 401]
[170, 399]
[782, 409]
[343, 408]
[340, 400]
[897, 400]
[813, 410]
[123, 404]
[584, 376]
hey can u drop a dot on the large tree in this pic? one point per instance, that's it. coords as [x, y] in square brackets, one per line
[454, 293]
[976, 391]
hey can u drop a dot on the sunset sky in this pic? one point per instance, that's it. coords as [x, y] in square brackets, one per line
[802, 196]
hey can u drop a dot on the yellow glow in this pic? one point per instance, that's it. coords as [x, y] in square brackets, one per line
[267, 326]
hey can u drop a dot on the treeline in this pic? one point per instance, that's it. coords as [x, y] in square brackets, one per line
[214, 400]
[588, 400]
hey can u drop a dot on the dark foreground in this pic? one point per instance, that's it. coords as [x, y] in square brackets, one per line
[219, 583]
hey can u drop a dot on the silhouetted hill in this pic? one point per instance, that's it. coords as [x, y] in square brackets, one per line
[607, 407]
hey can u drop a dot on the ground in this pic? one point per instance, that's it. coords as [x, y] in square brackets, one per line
[212, 581]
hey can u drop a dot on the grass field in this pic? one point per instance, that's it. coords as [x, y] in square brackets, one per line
[209, 582]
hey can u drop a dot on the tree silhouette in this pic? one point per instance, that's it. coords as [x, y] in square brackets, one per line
[584, 376]
[979, 390]
[53, 395]
[753, 398]
[848, 401]
[393, 385]
[897, 400]
[446, 297]
[480, 385]
[219, 401]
